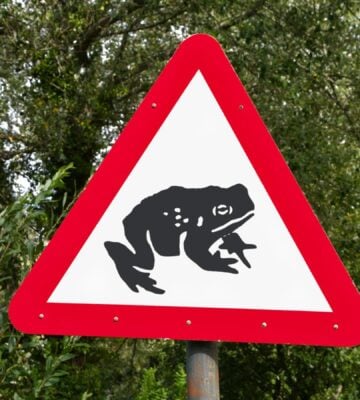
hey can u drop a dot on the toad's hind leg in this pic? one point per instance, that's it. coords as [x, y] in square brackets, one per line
[143, 255]
[125, 260]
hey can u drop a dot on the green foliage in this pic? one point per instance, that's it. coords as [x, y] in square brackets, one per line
[151, 388]
[25, 226]
[288, 372]
[71, 75]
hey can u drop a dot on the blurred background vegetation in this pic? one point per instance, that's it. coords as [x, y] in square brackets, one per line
[71, 75]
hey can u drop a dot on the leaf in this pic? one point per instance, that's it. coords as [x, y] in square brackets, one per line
[66, 357]
[17, 397]
[86, 395]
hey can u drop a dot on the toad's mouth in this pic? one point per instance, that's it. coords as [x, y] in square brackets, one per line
[234, 223]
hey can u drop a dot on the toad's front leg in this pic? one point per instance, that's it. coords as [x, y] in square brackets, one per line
[197, 249]
[234, 244]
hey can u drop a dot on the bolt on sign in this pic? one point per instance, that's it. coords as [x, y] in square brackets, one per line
[193, 228]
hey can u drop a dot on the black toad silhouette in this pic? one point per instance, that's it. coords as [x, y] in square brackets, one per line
[205, 214]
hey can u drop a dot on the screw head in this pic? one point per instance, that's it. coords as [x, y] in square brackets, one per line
[153, 105]
[336, 326]
[264, 324]
[116, 318]
[188, 322]
[41, 315]
[241, 107]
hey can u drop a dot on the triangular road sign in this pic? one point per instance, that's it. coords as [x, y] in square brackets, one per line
[192, 228]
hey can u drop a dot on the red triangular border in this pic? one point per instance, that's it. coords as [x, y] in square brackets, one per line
[30, 313]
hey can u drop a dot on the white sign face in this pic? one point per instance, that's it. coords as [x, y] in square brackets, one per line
[195, 148]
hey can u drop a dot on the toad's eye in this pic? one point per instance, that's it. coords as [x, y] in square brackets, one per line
[222, 209]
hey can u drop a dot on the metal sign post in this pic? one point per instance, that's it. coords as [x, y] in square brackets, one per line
[202, 371]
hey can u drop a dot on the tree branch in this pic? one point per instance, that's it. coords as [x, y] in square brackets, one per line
[248, 14]
[334, 96]
[143, 27]
[94, 30]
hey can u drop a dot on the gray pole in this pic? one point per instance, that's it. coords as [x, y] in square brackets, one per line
[202, 371]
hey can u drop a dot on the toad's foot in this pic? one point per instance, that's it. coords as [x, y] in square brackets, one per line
[135, 278]
[123, 258]
[234, 244]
